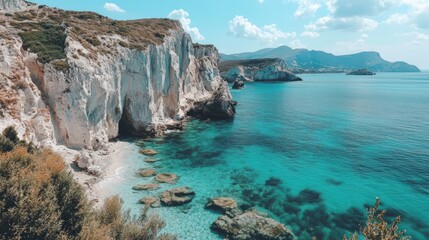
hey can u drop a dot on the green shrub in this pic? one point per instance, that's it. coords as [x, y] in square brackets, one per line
[48, 41]
[11, 134]
[6, 145]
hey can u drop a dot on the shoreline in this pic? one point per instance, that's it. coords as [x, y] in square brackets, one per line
[110, 161]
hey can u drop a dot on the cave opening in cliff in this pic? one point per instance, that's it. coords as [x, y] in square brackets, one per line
[125, 123]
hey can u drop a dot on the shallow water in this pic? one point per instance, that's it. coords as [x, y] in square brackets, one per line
[333, 142]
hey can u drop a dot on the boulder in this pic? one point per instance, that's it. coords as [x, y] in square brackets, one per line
[84, 159]
[222, 203]
[151, 201]
[237, 84]
[94, 170]
[148, 152]
[147, 172]
[148, 186]
[250, 225]
[166, 178]
[219, 106]
[177, 196]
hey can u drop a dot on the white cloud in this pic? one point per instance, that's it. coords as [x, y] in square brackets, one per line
[422, 36]
[112, 7]
[345, 24]
[351, 8]
[242, 27]
[347, 47]
[261, 1]
[183, 17]
[296, 44]
[422, 18]
[310, 34]
[306, 7]
[397, 18]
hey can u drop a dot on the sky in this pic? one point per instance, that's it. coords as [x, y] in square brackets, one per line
[398, 29]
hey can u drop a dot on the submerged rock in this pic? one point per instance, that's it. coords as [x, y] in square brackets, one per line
[148, 152]
[238, 84]
[150, 160]
[250, 225]
[222, 203]
[151, 201]
[148, 172]
[148, 186]
[166, 178]
[177, 196]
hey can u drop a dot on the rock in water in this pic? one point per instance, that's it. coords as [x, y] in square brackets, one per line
[219, 106]
[177, 196]
[151, 201]
[222, 203]
[149, 186]
[148, 152]
[238, 84]
[263, 69]
[250, 225]
[361, 72]
[149, 172]
[166, 178]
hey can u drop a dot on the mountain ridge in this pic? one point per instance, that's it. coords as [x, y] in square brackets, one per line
[302, 60]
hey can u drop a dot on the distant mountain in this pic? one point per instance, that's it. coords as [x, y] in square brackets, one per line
[303, 60]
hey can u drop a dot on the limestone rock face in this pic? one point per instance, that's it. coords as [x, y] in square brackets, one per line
[106, 87]
[266, 69]
[14, 5]
[250, 225]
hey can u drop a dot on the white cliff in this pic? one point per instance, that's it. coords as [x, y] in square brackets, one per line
[14, 5]
[264, 69]
[102, 89]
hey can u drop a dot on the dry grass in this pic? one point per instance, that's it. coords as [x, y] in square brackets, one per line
[88, 28]
[377, 228]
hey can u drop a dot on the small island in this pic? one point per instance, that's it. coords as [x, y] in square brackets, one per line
[361, 72]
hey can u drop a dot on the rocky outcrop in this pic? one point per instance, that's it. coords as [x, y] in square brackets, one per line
[219, 106]
[223, 204]
[148, 186]
[166, 178]
[138, 77]
[271, 69]
[361, 72]
[238, 84]
[251, 225]
[177, 196]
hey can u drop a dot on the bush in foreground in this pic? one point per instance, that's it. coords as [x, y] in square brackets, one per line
[40, 200]
[377, 228]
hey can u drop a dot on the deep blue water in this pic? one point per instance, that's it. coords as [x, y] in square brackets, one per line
[336, 142]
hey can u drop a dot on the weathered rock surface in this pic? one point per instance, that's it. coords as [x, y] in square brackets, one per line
[250, 225]
[101, 83]
[148, 152]
[238, 84]
[219, 106]
[152, 201]
[177, 196]
[361, 72]
[147, 172]
[166, 178]
[265, 69]
[222, 203]
[148, 186]
[10, 6]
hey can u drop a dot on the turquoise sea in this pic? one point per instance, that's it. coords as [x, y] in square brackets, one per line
[330, 144]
